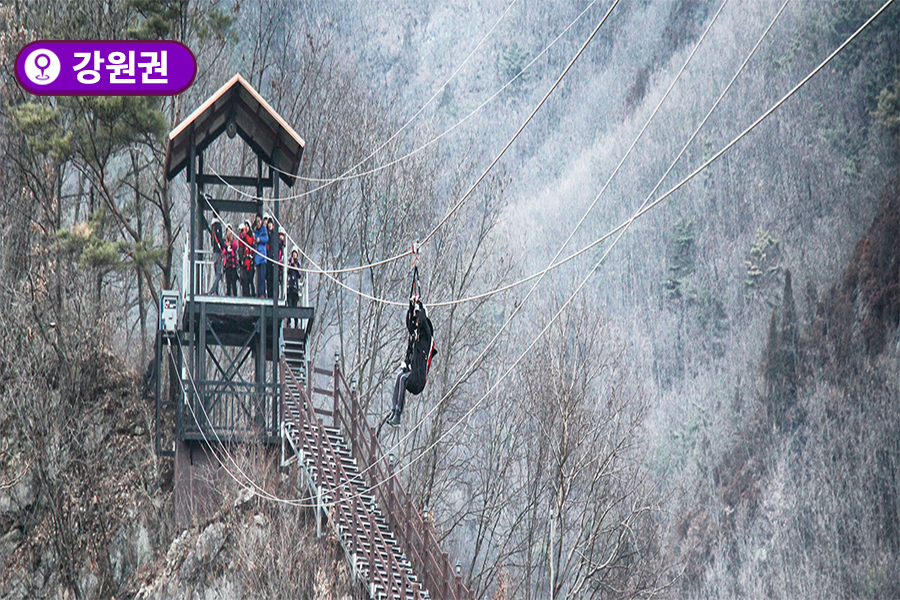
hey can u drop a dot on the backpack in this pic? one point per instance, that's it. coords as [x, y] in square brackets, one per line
[216, 233]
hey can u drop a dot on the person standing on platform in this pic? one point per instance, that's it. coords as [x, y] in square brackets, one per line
[246, 254]
[281, 267]
[272, 254]
[293, 282]
[293, 278]
[262, 242]
[218, 249]
[231, 262]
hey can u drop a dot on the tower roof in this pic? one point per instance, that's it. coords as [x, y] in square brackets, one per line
[263, 129]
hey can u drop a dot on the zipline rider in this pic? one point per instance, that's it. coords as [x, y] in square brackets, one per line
[420, 349]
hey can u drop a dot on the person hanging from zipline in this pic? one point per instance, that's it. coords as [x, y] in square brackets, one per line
[420, 349]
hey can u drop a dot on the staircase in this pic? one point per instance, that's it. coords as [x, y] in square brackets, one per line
[349, 481]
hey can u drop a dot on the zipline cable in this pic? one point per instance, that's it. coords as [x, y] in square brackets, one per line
[630, 149]
[520, 304]
[437, 92]
[553, 264]
[522, 127]
[471, 189]
[253, 486]
[441, 135]
[346, 176]
[524, 124]
[622, 228]
[496, 159]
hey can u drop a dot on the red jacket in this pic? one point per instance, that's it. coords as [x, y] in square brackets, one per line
[247, 253]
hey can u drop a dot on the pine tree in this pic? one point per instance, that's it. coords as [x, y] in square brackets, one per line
[781, 362]
[789, 344]
[771, 370]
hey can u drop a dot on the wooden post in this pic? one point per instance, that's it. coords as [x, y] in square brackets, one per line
[354, 428]
[372, 457]
[426, 559]
[370, 538]
[420, 550]
[355, 515]
[281, 392]
[202, 408]
[321, 477]
[259, 405]
[445, 577]
[404, 530]
[392, 518]
[195, 224]
[337, 391]
[276, 321]
[390, 567]
[318, 511]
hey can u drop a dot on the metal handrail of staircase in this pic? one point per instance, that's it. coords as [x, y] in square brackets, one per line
[348, 493]
[407, 523]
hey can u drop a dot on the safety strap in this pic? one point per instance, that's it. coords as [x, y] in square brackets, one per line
[415, 278]
[415, 283]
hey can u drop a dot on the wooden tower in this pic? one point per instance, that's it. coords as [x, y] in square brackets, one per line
[226, 349]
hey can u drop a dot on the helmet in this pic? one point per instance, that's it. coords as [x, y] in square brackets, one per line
[294, 248]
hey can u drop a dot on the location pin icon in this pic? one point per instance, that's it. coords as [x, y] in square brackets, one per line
[43, 67]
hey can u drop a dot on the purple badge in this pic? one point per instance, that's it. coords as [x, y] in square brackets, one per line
[105, 68]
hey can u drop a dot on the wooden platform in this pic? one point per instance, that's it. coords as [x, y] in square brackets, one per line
[234, 318]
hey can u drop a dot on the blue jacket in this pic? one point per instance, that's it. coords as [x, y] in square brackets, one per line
[263, 234]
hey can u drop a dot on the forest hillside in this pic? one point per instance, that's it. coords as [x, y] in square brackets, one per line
[700, 402]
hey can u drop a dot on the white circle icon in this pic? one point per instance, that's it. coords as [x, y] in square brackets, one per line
[42, 67]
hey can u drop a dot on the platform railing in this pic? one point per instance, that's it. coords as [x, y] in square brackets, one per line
[205, 262]
[230, 409]
[416, 536]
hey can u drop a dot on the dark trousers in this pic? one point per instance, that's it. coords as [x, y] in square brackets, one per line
[247, 282]
[400, 392]
[271, 269]
[261, 279]
[293, 298]
[231, 276]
